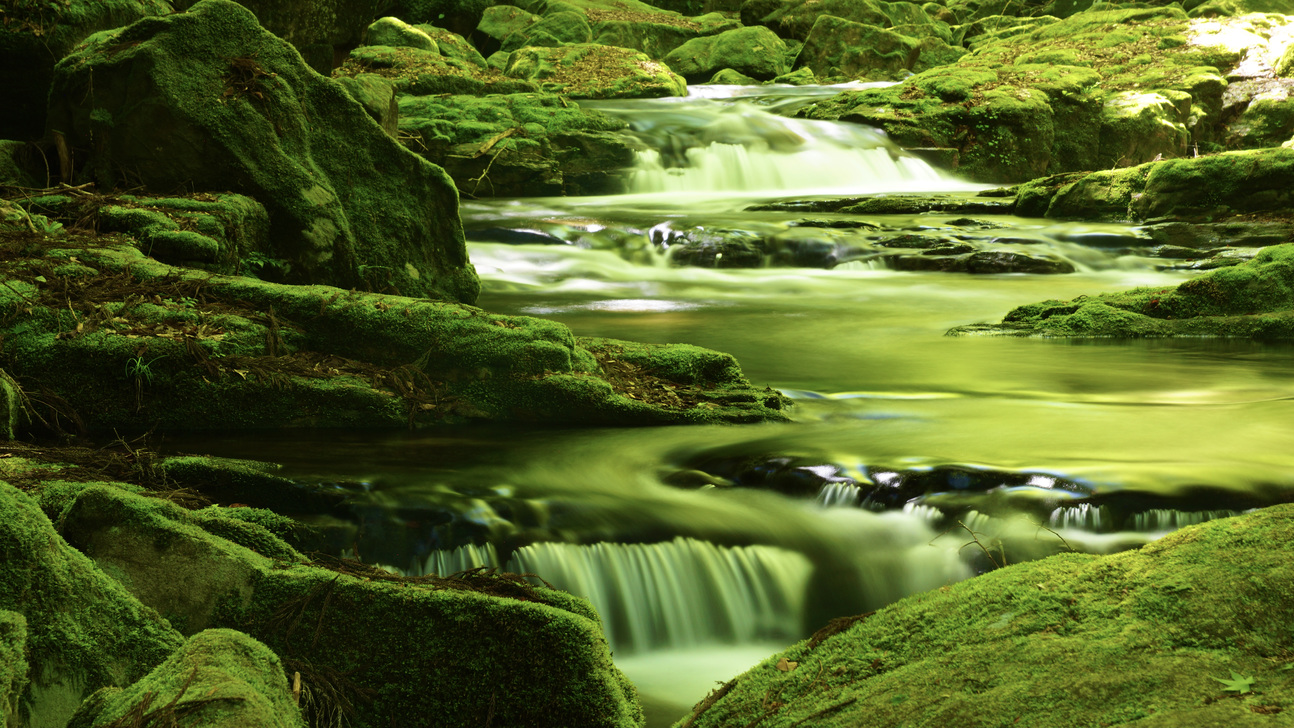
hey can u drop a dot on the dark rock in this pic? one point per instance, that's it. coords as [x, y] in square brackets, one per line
[1002, 261]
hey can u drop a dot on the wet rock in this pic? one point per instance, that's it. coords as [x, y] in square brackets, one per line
[1004, 261]
[222, 678]
[83, 630]
[717, 249]
[519, 144]
[592, 71]
[35, 36]
[544, 651]
[1194, 605]
[347, 204]
[912, 204]
[755, 52]
[1205, 236]
[1253, 299]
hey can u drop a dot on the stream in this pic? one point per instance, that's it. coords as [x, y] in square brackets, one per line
[706, 549]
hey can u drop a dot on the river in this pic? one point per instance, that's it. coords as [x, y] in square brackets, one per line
[708, 548]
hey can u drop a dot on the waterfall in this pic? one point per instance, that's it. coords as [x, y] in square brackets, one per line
[679, 593]
[840, 494]
[705, 144]
[444, 563]
[1165, 519]
[1083, 516]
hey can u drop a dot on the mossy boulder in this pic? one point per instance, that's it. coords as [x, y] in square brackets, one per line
[593, 71]
[13, 665]
[656, 34]
[1267, 119]
[1254, 299]
[756, 52]
[837, 47]
[1142, 638]
[419, 72]
[540, 655]
[553, 30]
[498, 22]
[518, 144]
[795, 19]
[84, 631]
[1197, 189]
[377, 95]
[219, 678]
[35, 35]
[214, 352]
[230, 105]
[391, 31]
[1101, 88]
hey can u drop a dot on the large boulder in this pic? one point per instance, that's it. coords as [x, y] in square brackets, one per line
[466, 650]
[35, 35]
[1191, 630]
[209, 100]
[756, 52]
[84, 631]
[593, 71]
[219, 678]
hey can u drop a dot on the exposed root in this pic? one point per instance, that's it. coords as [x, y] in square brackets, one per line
[165, 716]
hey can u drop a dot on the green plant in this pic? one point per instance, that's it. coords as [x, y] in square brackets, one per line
[1237, 683]
[140, 370]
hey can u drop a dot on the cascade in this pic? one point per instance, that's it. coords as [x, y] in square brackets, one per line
[679, 593]
[1167, 519]
[702, 143]
[452, 561]
[1082, 516]
[837, 495]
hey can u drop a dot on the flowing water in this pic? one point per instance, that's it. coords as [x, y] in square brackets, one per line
[706, 549]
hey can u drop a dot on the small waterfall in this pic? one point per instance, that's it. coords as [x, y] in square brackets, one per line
[840, 495]
[1083, 516]
[444, 563]
[929, 514]
[1166, 519]
[680, 593]
[705, 144]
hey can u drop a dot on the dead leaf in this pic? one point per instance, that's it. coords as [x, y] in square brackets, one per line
[786, 665]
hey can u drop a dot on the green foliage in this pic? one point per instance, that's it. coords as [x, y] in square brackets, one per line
[1237, 683]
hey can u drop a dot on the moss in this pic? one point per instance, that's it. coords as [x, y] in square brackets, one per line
[219, 678]
[595, 71]
[1130, 639]
[83, 630]
[1254, 299]
[756, 52]
[13, 665]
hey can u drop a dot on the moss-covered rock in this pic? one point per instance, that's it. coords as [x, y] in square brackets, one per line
[219, 678]
[1101, 88]
[1267, 119]
[377, 95]
[756, 52]
[230, 105]
[414, 71]
[553, 30]
[394, 32]
[13, 666]
[1254, 299]
[593, 71]
[518, 144]
[1144, 638]
[837, 47]
[1194, 189]
[35, 35]
[19, 164]
[540, 654]
[795, 19]
[212, 352]
[84, 631]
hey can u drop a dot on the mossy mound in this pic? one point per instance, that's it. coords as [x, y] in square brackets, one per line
[837, 48]
[593, 71]
[756, 52]
[485, 645]
[795, 19]
[1147, 638]
[205, 351]
[219, 678]
[518, 144]
[231, 106]
[35, 35]
[84, 631]
[1254, 299]
[1099, 89]
[417, 71]
[1200, 189]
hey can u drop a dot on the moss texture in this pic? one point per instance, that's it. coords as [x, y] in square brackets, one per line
[756, 52]
[593, 71]
[1254, 299]
[84, 631]
[231, 106]
[536, 659]
[1140, 638]
[13, 665]
[219, 678]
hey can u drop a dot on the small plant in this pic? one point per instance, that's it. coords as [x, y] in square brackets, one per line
[1237, 684]
[140, 370]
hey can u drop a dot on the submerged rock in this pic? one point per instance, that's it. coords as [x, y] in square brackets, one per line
[83, 630]
[1190, 630]
[1254, 299]
[540, 654]
[219, 678]
[230, 106]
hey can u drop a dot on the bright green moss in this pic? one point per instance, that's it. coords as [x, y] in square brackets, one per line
[1072, 640]
[13, 665]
